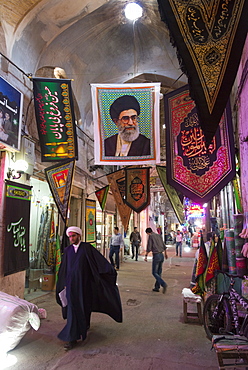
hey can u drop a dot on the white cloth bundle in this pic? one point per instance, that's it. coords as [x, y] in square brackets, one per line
[190, 297]
[17, 316]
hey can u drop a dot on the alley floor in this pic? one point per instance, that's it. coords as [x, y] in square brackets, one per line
[152, 336]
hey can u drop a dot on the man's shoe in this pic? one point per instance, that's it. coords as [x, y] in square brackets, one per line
[69, 345]
[164, 288]
[155, 290]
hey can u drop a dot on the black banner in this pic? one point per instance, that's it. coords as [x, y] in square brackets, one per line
[209, 37]
[16, 248]
[137, 181]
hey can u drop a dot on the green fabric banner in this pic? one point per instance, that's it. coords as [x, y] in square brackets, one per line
[172, 195]
[55, 119]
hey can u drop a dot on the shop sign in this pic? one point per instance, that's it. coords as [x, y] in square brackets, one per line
[195, 210]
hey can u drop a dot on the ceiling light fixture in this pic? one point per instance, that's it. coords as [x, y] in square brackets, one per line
[133, 11]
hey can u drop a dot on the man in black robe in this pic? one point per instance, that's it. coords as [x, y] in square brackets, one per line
[90, 283]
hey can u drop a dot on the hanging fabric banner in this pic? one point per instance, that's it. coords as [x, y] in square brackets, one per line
[118, 185]
[101, 195]
[237, 194]
[49, 247]
[126, 123]
[209, 37]
[57, 257]
[193, 169]
[202, 262]
[172, 195]
[137, 189]
[17, 218]
[90, 221]
[59, 178]
[55, 119]
[214, 263]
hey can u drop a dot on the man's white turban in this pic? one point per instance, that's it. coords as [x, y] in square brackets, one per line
[74, 229]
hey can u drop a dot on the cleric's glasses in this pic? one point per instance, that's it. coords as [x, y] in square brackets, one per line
[126, 119]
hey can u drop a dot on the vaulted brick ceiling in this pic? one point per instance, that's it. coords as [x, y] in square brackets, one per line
[92, 41]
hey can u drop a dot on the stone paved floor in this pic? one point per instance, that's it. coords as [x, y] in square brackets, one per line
[152, 336]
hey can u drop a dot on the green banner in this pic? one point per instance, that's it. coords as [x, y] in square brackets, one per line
[172, 195]
[90, 221]
[55, 119]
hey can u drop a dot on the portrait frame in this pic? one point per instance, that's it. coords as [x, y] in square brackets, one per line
[147, 95]
[11, 103]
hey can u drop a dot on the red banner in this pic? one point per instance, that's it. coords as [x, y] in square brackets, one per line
[101, 195]
[197, 171]
[59, 178]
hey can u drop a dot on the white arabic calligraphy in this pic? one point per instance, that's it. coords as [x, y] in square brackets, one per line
[54, 113]
[5, 102]
[18, 234]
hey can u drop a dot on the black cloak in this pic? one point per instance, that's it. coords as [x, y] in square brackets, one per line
[90, 282]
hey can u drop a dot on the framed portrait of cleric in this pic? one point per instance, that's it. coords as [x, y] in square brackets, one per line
[11, 105]
[126, 123]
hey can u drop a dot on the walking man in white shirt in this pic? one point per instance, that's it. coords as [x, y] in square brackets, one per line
[156, 245]
[179, 240]
[116, 242]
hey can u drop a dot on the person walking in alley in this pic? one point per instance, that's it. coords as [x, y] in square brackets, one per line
[135, 239]
[86, 283]
[156, 245]
[179, 241]
[116, 241]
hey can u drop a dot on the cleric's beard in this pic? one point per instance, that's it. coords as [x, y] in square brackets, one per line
[129, 135]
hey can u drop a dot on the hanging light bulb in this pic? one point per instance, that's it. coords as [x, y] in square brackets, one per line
[133, 11]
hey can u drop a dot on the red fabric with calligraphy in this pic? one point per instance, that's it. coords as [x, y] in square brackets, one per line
[213, 263]
[199, 288]
[197, 171]
[202, 260]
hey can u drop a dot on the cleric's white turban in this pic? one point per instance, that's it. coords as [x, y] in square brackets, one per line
[74, 229]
